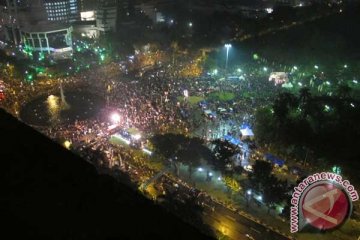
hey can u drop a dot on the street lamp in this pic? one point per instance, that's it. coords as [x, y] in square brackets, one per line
[115, 118]
[248, 196]
[227, 46]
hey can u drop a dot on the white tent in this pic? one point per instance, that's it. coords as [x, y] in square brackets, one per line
[247, 132]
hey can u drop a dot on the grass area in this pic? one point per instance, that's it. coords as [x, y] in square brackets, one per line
[193, 100]
[221, 96]
[117, 141]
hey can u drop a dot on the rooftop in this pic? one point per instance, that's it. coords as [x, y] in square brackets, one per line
[48, 192]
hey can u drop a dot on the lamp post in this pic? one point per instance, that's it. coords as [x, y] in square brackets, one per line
[248, 196]
[227, 46]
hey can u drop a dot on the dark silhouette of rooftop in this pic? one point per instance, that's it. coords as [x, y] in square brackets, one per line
[48, 192]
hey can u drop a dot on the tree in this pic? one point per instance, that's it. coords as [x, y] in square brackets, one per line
[264, 125]
[194, 154]
[175, 48]
[274, 191]
[304, 101]
[283, 104]
[179, 148]
[261, 174]
[343, 91]
[223, 151]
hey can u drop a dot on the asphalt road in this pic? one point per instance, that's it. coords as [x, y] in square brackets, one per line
[236, 226]
[227, 221]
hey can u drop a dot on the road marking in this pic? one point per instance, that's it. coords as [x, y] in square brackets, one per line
[257, 231]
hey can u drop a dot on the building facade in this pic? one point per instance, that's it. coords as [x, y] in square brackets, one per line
[54, 40]
[27, 23]
[106, 16]
[62, 10]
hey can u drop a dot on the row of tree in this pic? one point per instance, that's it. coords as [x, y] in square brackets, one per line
[324, 126]
[194, 153]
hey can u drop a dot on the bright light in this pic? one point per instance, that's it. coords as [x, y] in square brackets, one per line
[190, 24]
[259, 198]
[53, 102]
[147, 151]
[327, 83]
[345, 66]
[355, 81]
[67, 144]
[326, 108]
[219, 178]
[295, 68]
[300, 84]
[316, 67]
[136, 136]
[228, 45]
[248, 192]
[351, 104]
[265, 69]
[239, 70]
[87, 16]
[210, 174]
[200, 169]
[115, 117]
[215, 71]
[122, 139]
[269, 10]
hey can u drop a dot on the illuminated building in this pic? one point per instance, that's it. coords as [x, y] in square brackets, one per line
[62, 10]
[27, 24]
[53, 39]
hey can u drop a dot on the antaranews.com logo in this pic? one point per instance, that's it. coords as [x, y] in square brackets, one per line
[323, 200]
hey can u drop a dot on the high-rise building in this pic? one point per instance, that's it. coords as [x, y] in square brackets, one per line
[87, 5]
[106, 15]
[26, 23]
[62, 10]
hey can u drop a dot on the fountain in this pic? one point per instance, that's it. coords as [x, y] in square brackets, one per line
[53, 107]
[47, 110]
[63, 104]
